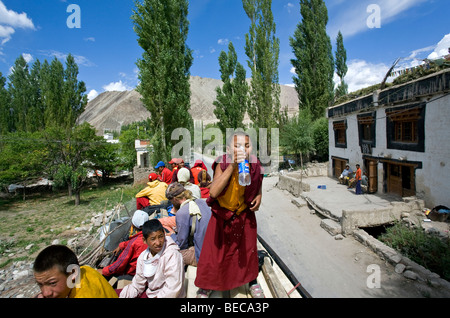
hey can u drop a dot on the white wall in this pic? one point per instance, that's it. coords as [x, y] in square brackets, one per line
[433, 180]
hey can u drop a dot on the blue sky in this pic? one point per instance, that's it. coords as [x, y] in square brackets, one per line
[106, 49]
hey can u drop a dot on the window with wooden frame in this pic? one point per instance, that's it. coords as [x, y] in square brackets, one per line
[367, 131]
[406, 127]
[340, 134]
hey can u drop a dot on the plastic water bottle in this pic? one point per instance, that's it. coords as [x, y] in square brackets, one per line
[244, 172]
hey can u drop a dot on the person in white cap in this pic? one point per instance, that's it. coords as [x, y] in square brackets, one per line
[125, 265]
[184, 178]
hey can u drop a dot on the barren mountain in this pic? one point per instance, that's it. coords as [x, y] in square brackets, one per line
[111, 110]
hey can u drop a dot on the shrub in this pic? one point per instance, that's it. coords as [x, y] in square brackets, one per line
[425, 249]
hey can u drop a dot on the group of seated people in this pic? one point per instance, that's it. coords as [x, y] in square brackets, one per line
[196, 179]
[154, 256]
[348, 177]
[218, 235]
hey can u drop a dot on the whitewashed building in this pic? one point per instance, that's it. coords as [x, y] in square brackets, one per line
[400, 136]
[142, 152]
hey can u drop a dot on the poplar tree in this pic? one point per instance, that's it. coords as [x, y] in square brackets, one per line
[341, 65]
[262, 48]
[52, 84]
[313, 63]
[231, 100]
[19, 89]
[74, 97]
[35, 116]
[164, 69]
[5, 107]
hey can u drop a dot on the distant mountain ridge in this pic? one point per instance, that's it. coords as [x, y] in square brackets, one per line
[111, 110]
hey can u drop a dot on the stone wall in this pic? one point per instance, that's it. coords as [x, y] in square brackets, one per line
[292, 184]
[140, 175]
[403, 265]
[292, 181]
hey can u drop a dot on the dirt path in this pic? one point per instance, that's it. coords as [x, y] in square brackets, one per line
[327, 267]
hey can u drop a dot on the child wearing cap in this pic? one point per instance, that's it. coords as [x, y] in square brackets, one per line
[153, 194]
[165, 175]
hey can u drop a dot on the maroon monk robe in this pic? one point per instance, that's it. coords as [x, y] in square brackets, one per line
[229, 256]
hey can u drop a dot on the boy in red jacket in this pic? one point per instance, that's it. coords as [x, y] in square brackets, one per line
[125, 265]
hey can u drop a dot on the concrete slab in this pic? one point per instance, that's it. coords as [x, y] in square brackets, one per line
[299, 202]
[331, 226]
[335, 201]
[337, 198]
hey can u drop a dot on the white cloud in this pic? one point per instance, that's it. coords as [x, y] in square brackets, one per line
[28, 57]
[222, 41]
[9, 20]
[289, 7]
[418, 56]
[92, 94]
[90, 39]
[80, 60]
[442, 48]
[351, 20]
[5, 33]
[362, 74]
[414, 54]
[116, 86]
[14, 19]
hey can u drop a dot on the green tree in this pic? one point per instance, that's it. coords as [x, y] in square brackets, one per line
[19, 90]
[74, 97]
[104, 158]
[296, 136]
[35, 116]
[164, 69]
[5, 108]
[65, 175]
[68, 151]
[341, 66]
[321, 141]
[231, 100]
[23, 157]
[262, 48]
[313, 63]
[52, 91]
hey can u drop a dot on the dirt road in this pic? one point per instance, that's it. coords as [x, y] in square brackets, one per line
[326, 267]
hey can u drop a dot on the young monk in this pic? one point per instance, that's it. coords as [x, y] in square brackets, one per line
[160, 268]
[59, 275]
[229, 254]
